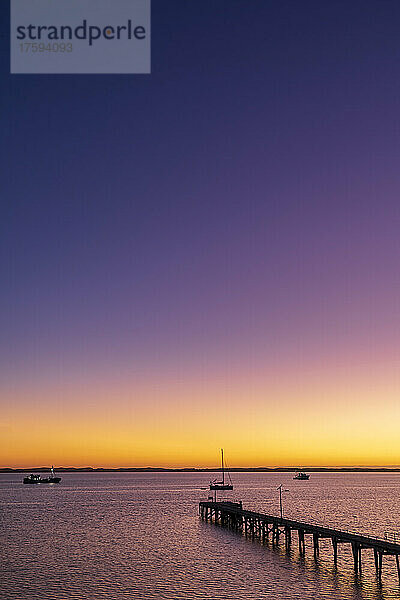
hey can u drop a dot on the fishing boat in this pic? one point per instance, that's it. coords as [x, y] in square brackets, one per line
[226, 483]
[301, 475]
[33, 479]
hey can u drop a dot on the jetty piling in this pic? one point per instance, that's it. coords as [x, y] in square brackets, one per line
[254, 524]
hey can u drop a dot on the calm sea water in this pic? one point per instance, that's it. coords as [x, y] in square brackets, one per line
[138, 536]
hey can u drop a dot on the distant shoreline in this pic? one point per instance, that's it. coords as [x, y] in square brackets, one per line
[204, 470]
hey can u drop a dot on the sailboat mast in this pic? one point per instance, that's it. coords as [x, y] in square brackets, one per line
[222, 463]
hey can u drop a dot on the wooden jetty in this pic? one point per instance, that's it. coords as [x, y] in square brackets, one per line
[234, 516]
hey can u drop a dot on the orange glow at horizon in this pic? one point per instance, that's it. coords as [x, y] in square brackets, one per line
[308, 420]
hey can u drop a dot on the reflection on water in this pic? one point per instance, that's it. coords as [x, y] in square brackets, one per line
[138, 536]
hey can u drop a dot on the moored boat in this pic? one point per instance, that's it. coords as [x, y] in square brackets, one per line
[225, 483]
[301, 475]
[34, 479]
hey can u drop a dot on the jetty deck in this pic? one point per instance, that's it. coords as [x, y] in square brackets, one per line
[234, 516]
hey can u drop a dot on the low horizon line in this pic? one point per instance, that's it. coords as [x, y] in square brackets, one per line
[364, 468]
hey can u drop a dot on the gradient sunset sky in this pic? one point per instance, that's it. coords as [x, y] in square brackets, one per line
[207, 256]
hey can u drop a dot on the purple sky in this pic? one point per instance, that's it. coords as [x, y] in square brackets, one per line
[236, 209]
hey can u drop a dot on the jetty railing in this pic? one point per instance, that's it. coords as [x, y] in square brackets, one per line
[234, 516]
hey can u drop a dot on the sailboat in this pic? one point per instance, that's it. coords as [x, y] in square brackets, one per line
[226, 483]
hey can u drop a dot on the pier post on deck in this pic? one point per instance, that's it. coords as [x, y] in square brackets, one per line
[316, 543]
[334, 544]
[288, 537]
[302, 546]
